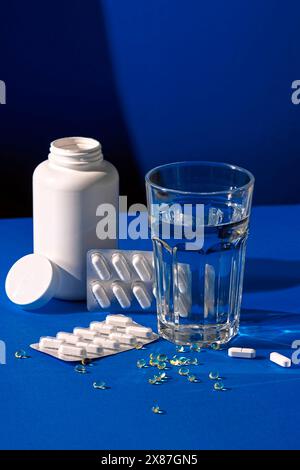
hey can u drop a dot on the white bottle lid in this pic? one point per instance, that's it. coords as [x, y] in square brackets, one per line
[31, 282]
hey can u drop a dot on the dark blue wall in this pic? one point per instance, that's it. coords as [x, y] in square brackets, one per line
[156, 81]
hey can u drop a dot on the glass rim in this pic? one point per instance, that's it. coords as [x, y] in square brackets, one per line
[200, 163]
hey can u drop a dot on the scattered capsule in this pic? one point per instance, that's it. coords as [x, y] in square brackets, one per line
[139, 346]
[161, 365]
[153, 362]
[180, 349]
[141, 363]
[21, 354]
[162, 376]
[152, 356]
[153, 381]
[162, 357]
[156, 410]
[183, 371]
[214, 375]
[80, 368]
[219, 386]
[99, 385]
[215, 346]
[192, 378]
[183, 361]
[174, 361]
[195, 347]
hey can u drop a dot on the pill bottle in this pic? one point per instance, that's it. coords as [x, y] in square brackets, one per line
[68, 191]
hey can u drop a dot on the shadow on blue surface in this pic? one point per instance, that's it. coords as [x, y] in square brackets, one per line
[270, 274]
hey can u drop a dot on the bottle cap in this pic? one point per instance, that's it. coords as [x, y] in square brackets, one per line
[31, 282]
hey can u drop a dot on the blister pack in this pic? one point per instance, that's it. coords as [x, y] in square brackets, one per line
[120, 279]
[117, 333]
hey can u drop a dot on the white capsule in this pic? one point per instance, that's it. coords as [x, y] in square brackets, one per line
[140, 331]
[101, 327]
[90, 347]
[85, 333]
[106, 343]
[100, 264]
[121, 295]
[50, 342]
[245, 353]
[67, 337]
[142, 267]
[123, 338]
[118, 320]
[100, 295]
[121, 266]
[71, 350]
[141, 295]
[280, 360]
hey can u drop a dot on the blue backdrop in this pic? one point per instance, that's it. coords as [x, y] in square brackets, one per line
[156, 81]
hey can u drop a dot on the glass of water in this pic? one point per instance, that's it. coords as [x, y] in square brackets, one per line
[198, 218]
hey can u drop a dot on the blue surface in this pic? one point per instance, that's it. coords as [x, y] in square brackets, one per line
[156, 81]
[46, 405]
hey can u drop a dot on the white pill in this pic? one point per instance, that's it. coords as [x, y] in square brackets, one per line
[121, 295]
[67, 337]
[142, 267]
[71, 350]
[123, 338]
[85, 333]
[121, 266]
[140, 331]
[100, 264]
[50, 342]
[100, 295]
[281, 360]
[118, 320]
[245, 353]
[90, 347]
[141, 295]
[101, 327]
[106, 343]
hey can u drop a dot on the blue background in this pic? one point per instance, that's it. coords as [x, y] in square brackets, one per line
[45, 404]
[156, 81]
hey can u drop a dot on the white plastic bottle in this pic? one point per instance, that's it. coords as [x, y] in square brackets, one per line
[67, 190]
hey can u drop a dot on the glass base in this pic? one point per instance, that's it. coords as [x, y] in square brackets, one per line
[203, 335]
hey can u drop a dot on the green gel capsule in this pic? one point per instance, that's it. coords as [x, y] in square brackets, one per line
[141, 363]
[183, 371]
[192, 378]
[99, 385]
[219, 386]
[80, 368]
[161, 365]
[215, 346]
[153, 381]
[162, 375]
[214, 375]
[21, 354]
[162, 358]
[195, 347]
[180, 349]
[139, 346]
[156, 410]
[194, 362]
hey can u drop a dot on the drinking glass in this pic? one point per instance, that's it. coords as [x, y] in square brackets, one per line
[198, 217]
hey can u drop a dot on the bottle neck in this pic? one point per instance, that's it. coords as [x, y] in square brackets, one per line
[79, 153]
